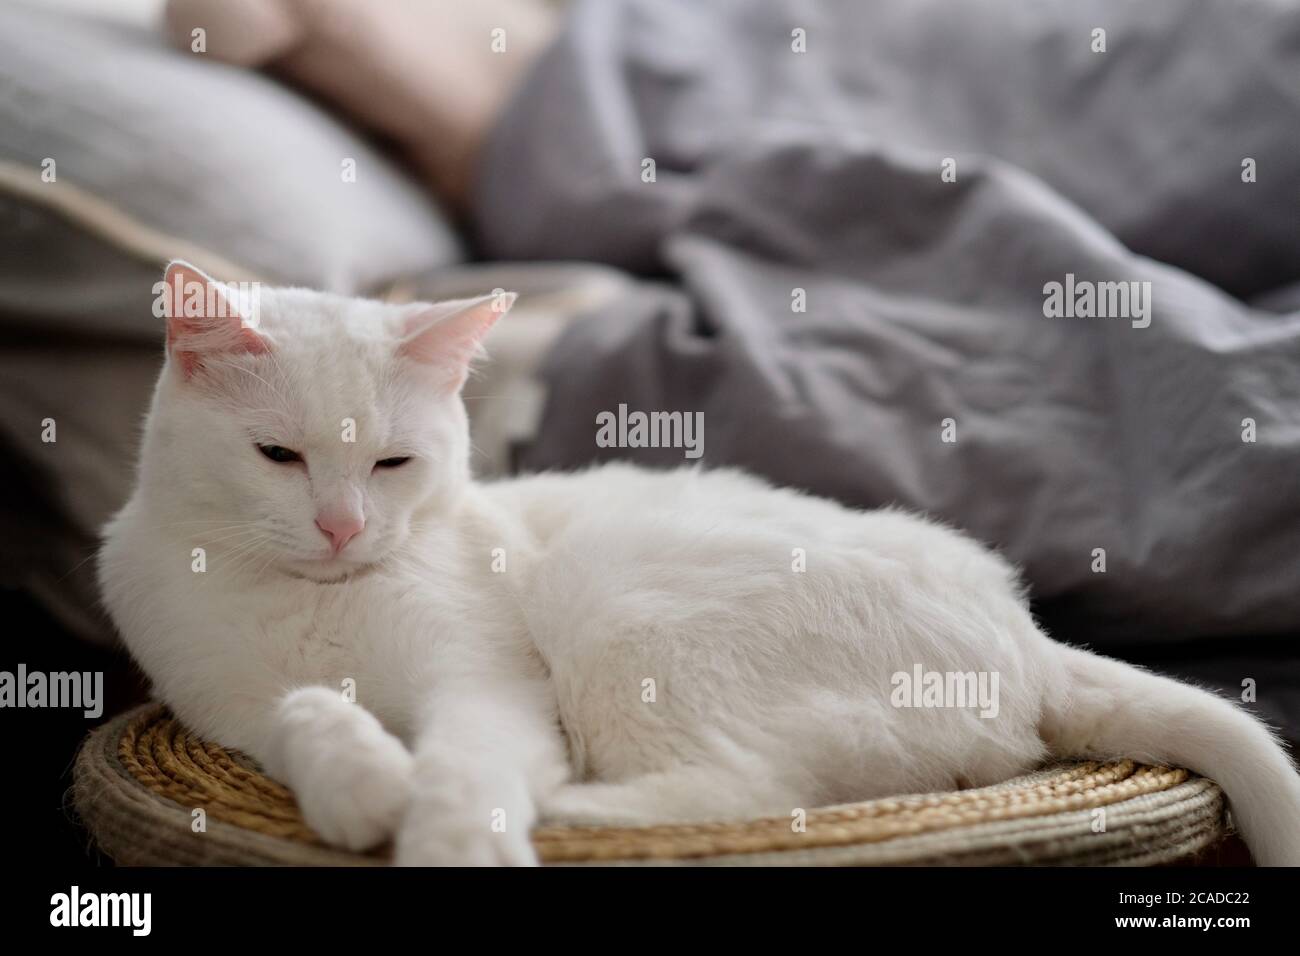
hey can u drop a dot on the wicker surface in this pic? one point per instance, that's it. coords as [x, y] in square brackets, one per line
[141, 777]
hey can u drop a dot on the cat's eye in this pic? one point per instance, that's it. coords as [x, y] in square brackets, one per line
[396, 462]
[279, 454]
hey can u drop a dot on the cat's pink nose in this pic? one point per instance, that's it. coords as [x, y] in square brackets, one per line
[340, 529]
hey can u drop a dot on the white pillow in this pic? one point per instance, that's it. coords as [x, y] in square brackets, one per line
[162, 152]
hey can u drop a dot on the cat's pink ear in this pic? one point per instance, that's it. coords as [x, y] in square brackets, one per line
[206, 318]
[447, 337]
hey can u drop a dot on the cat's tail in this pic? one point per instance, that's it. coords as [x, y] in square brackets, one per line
[1106, 709]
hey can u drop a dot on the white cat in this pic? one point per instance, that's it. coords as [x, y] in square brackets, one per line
[617, 645]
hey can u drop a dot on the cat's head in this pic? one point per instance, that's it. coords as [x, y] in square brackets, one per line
[303, 432]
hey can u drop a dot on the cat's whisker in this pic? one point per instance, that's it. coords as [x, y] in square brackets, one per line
[174, 525]
[241, 556]
[203, 539]
[94, 550]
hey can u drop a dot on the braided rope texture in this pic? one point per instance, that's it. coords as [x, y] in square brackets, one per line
[140, 778]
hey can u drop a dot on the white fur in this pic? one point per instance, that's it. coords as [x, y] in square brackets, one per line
[486, 696]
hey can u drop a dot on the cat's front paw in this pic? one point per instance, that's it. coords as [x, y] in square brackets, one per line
[359, 802]
[353, 779]
[463, 816]
[453, 841]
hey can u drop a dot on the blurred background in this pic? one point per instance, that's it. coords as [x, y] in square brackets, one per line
[826, 225]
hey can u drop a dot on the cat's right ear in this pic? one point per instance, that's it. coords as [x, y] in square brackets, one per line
[205, 318]
[448, 336]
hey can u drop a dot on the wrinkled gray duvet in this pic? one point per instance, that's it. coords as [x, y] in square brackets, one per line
[934, 364]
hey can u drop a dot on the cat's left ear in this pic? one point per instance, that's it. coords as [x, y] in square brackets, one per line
[448, 337]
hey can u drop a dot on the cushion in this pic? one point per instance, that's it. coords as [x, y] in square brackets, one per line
[140, 777]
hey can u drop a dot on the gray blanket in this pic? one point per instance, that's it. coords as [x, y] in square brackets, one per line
[958, 257]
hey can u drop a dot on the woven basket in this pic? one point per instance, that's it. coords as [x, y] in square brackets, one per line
[141, 777]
